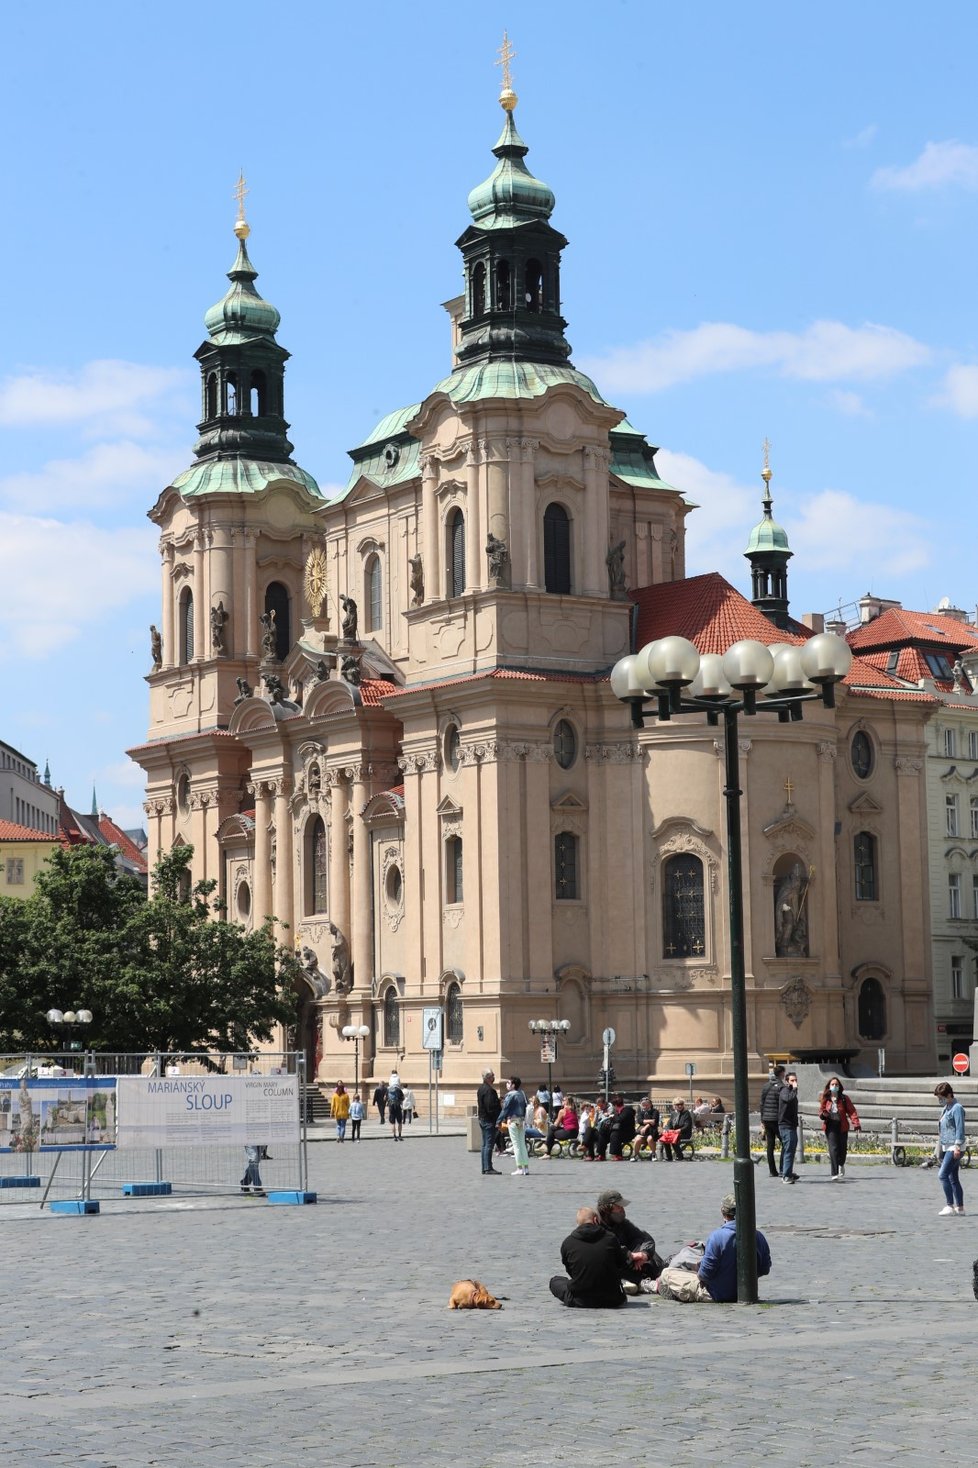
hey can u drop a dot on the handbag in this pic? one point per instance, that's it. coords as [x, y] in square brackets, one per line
[670, 1135]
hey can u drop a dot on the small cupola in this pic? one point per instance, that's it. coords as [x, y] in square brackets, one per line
[769, 553]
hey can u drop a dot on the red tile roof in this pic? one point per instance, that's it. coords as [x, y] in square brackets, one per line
[373, 691]
[117, 837]
[897, 626]
[10, 831]
[705, 609]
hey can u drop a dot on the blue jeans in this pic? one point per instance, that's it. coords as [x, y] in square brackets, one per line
[489, 1129]
[789, 1146]
[950, 1181]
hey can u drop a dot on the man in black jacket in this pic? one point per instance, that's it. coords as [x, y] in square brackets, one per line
[489, 1105]
[380, 1100]
[770, 1095]
[595, 1262]
[619, 1129]
[634, 1240]
[788, 1126]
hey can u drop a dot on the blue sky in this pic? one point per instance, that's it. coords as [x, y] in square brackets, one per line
[772, 213]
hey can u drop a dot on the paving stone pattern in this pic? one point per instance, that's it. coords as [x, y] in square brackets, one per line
[179, 1332]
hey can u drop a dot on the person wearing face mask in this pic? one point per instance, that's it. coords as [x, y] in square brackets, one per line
[952, 1146]
[838, 1115]
[788, 1126]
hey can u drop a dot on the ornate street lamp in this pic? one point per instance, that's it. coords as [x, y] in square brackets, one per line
[548, 1030]
[671, 677]
[68, 1020]
[356, 1033]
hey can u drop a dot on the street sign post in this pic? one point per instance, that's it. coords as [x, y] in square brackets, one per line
[548, 1049]
[433, 1028]
[690, 1072]
[961, 1063]
[608, 1038]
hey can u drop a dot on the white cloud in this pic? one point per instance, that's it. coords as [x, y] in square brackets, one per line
[828, 531]
[103, 396]
[940, 165]
[60, 578]
[849, 403]
[863, 138]
[124, 772]
[127, 817]
[960, 391]
[106, 474]
[826, 351]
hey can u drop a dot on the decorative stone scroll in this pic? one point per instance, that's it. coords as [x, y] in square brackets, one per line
[796, 1000]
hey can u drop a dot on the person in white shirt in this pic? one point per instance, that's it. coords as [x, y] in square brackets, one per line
[408, 1105]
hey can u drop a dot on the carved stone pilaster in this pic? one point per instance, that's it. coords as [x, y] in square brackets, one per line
[826, 750]
[906, 765]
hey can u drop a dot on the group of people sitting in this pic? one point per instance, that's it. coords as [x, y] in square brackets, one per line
[607, 1258]
[604, 1127]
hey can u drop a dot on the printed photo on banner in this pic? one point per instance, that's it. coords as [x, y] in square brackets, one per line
[57, 1114]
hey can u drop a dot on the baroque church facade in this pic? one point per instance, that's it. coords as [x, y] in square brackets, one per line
[385, 719]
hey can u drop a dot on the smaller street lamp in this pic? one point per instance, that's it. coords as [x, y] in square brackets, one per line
[548, 1030]
[356, 1033]
[68, 1020]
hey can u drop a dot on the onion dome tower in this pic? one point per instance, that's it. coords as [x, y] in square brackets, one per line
[769, 553]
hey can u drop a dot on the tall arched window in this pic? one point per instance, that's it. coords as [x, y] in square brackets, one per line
[259, 394]
[277, 601]
[317, 866]
[566, 846]
[533, 293]
[453, 1014]
[872, 1010]
[186, 625]
[373, 588]
[683, 916]
[456, 553]
[503, 286]
[556, 550]
[479, 290]
[231, 394]
[864, 862]
[453, 869]
[210, 398]
[392, 1019]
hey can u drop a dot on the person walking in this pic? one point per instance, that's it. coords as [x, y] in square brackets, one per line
[251, 1182]
[951, 1137]
[514, 1115]
[488, 1106]
[838, 1116]
[341, 1110]
[770, 1094]
[788, 1126]
[380, 1100]
[357, 1112]
[395, 1106]
[408, 1105]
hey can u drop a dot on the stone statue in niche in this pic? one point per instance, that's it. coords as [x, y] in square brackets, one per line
[245, 690]
[342, 973]
[219, 619]
[498, 558]
[791, 913]
[615, 561]
[268, 635]
[350, 618]
[317, 980]
[417, 579]
[156, 648]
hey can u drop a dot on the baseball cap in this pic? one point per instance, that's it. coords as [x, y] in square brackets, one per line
[611, 1198]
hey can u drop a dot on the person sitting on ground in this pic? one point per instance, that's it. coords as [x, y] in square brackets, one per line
[595, 1263]
[647, 1134]
[701, 1114]
[716, 1278]
[616, 1130]
[636, 1241]
[681, 1123]
[564, 1128]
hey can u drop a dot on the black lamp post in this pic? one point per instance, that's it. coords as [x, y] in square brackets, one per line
[69, 1020]
[551, 1028]
[748, 678]
[356, 1033]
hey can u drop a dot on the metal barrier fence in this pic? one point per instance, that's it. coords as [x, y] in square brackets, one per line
[72, 1124]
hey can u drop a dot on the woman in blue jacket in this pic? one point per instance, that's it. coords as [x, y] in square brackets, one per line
[952, 1146]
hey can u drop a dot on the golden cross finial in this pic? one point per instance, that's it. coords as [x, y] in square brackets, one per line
[241, 228]
[506, 53]
[766, 471]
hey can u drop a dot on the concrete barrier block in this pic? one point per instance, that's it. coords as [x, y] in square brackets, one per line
[291, 1195]
[79, 1205]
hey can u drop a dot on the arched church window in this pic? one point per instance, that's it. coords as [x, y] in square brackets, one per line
[373, 588]
[566, 847]
[683, 915]
[503, 286]
[479, 290]
[453, 869]
[277, 601]
[533, 294]
[392, 1019]
[864, 862]
[210, 400]
[556, 550]
[565, 744]
[456, 553]
[231, 394]
[259, 394]
[317, 866]
[872, 1010]
[186, 625]
[454, 1032]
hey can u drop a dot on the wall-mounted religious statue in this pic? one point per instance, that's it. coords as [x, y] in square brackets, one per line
[791, 913]
[276, 688]
[615, 561]
[417, 579]
[268, 635]
[156, 648]
[245, 690]
[342, 974]
[350, 618]
[351, 672]
[958, 676]
[498, 558]
[313, 974]
[322, 671]
[219, 619]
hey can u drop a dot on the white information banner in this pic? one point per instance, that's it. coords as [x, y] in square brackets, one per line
[207, 1111]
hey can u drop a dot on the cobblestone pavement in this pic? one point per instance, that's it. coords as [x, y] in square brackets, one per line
[177, 1332]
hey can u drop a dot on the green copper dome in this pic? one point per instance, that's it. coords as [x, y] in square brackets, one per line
[242, 314]
[510, 195]
[768, 535]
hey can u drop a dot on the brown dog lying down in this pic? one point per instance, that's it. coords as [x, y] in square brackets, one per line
[469, 1294]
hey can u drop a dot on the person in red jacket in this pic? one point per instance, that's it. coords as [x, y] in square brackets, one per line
[838, 1116]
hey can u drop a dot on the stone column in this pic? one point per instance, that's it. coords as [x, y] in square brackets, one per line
[434, 587]
[498, 491]
[827, 906]
[589, 555]
[361, 944]
[475, 561]
[539, 862]
[262, 894]
[201, 629]
[283, 856]
[171, 651]
[249, 582]
[339, 861]
[221, 581]
[527, 491]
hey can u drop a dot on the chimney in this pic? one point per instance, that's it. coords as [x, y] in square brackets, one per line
[814, 620]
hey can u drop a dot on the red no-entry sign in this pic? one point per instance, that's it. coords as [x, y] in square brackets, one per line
[961, 1063]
